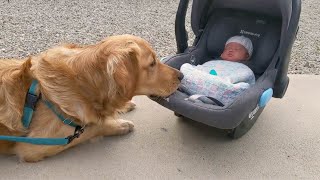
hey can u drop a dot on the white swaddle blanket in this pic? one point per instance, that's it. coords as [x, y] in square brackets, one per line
[219, 79]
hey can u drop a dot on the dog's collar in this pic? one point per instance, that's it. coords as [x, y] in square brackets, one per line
[32, 99]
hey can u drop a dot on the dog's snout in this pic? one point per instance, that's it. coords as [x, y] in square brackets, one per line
[180, 76]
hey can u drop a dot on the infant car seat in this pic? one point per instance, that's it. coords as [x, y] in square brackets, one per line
[271, 25]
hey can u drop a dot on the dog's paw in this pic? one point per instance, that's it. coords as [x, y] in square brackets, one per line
[125, 126]
[130, 105]
[32, 159]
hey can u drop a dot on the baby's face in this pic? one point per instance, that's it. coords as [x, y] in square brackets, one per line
[235, 52]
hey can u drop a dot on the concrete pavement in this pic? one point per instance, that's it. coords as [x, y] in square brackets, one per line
[284, 143]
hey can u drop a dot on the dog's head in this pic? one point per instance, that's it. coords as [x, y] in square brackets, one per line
[136, 69]
[93, 81]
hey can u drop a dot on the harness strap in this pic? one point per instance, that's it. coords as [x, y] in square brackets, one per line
[31, 100]
[60, 116]
[36, 141]
[30, 104]
[45, 141]
[205, 99]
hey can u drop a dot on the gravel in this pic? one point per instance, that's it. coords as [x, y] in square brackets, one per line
[30, 26]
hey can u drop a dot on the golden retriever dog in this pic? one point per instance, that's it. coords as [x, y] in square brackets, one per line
[87, 84]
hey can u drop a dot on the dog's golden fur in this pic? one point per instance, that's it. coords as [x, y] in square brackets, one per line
[88, 84]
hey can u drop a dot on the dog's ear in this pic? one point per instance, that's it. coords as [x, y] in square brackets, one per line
[122, 65]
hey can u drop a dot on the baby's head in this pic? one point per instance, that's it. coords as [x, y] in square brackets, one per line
[237, 48]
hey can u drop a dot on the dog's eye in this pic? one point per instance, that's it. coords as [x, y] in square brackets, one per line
[153, 63]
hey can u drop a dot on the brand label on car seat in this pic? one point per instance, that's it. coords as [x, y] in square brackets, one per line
[251, 115]
[249, 33]
[260, 21]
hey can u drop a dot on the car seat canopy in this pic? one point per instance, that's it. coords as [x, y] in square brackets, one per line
[277, 8]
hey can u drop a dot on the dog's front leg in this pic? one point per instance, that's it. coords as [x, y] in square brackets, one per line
[116, 127]
[129, 106]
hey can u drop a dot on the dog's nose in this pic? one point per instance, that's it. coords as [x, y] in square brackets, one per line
[180, 77]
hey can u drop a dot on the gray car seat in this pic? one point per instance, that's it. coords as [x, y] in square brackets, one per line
[272, 27]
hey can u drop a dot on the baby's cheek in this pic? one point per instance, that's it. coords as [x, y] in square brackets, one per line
[236, 56]
[244, 54]
[223, 55]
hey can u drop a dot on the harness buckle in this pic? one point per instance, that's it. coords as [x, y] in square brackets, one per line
[31, 100]
[77, 132]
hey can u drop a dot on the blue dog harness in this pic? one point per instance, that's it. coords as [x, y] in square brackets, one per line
[29, 107]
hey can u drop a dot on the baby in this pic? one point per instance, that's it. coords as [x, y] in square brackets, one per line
[221, 79]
